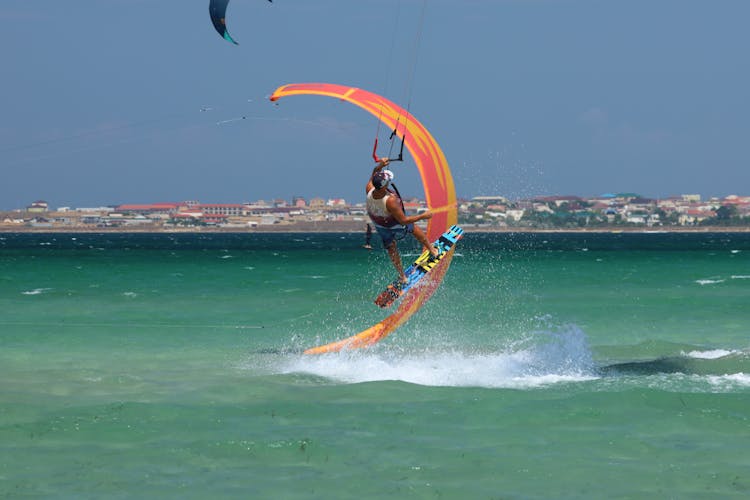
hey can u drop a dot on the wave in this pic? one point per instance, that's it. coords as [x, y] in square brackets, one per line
[705, 363]
[542, 359]
[709, 281]
[717, 280]
[710, 354]
[553, 358]
[723, 381]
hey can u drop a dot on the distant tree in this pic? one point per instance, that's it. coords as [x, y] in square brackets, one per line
[726, 213]
[667, 219]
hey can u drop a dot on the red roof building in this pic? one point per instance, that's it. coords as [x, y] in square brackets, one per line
[147, 209]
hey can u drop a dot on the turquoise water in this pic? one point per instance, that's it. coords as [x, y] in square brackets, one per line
[546, 366]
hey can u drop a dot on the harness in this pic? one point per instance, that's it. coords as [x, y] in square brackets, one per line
[381, 221]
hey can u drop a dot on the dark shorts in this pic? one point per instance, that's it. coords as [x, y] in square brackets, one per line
[391, 234]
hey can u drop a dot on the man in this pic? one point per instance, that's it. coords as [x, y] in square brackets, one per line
[368, 237]
[387, 214]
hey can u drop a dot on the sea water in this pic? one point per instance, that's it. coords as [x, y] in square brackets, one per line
[545, 366]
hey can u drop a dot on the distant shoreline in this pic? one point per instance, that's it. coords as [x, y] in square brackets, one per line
[348, 227]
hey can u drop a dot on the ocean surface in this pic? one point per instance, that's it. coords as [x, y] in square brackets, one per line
[545, 366]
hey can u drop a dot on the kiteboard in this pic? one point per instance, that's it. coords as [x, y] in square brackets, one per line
[423, 265]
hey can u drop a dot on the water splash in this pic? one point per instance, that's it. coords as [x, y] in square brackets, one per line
[548, 357]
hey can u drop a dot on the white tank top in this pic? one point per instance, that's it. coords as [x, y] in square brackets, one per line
[378, 212]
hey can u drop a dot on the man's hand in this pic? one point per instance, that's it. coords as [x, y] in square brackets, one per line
[426, 215]
[380, 165]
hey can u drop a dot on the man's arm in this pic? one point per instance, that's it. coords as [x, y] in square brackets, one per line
[378, 167]
[394, 208]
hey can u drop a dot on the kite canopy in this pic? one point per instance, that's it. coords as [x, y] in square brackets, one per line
[217, 9]
[438, 187]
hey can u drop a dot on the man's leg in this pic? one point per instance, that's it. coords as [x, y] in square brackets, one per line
[396, 259]
[420, 236]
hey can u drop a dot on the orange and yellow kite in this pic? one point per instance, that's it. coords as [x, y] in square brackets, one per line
[438, 187]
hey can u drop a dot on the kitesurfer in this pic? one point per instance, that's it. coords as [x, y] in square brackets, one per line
[386, 211]
[368, 237]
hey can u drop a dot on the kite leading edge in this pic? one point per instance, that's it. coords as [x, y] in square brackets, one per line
[438, 187]
[218, 9]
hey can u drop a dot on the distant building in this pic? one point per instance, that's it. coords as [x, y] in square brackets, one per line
[216, 219]
[627, 196]
[558, 200]
[336, 202]
[694, 216]
[490, 200]
[187, 215]
[693, 198]
[514, 214]
[39, 206]
[645, 205]
[148, 209]
[226, 209]
[259, 204]
[412, 207]
[317, 203]
[95, 210]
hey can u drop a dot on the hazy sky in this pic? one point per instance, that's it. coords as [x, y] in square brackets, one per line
[136, 101]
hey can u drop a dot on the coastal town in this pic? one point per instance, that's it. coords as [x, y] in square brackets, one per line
[490, 213]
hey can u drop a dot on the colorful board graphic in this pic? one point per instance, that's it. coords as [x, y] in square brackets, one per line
[421, 266]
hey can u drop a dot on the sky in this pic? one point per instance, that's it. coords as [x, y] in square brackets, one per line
[107, 102]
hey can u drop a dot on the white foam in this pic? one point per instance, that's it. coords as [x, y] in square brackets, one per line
[741, 276]
[709, 281]
[554, 358]
[712, 354]
[447, 369]
[729, 379]
[36, 291]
